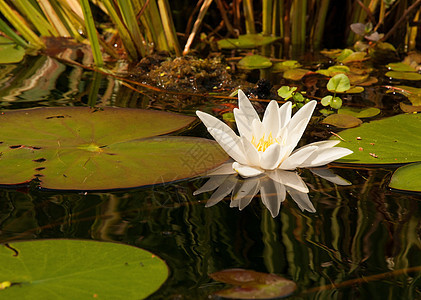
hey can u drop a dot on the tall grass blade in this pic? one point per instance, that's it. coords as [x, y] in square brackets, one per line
[16, 20]
[92, 34]
[52, 16]
[169, 28]
[11, 34]
[319, 25]
[249, 16]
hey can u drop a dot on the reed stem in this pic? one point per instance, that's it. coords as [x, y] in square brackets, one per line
[92, 34]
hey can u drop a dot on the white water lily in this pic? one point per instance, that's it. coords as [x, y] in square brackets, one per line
[272, 185]
[269, 144]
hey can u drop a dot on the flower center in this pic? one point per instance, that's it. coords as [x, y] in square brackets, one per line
[263, 144]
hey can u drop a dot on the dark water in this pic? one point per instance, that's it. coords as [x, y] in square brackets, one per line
[357, 231]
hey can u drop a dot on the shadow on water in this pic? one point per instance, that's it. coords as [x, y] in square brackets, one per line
[357, 231]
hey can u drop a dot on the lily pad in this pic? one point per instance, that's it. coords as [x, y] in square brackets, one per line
[404, 75]
[76, 269]
[359, 112]
[285, 65]
[342, 121]
[409, 108]
[295, 74]
[354, 90]
[400, 67]
[78, 148]
[246, 41]
[407, 178]
[391, 140]
[10, 52]
[338, 83]
[253, 285]
[252, 62]
[355, 56]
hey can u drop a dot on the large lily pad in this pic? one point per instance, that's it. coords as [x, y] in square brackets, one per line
[83, 149]
[76, 269]
[407, 178]
[388, 141]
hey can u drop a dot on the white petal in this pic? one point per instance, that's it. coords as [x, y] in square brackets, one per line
[212, 122]
[211, 184]
[327, 174]
[322, 144]
[285, 112]
[246, 107]
[257, 129]
[272, 193]
[304, 113]
[224, 169]
[224, 190]
[243, 124]
[251, 153]
[246, 171]
[323, 157]
[302, 200]
[290, 179]
[297, 158]
[231, 145]
[271, 119]
[271, 157]
[294, 135]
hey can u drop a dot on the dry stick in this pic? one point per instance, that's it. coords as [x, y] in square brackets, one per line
[362, 280]
[196, 25]
[404, 16]
[225, 17]
[367, 11]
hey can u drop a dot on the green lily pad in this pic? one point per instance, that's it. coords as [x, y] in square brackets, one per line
[247, 41]
[354, 90]
[342, 121]
[295, 74]
[388, 141]
[407, 178]
[76, 269]
[253, 285]
[409, 108]
[359, 112]
[400, 67]
[78, 148]
[252, 62]
[412, 93]
[334, 70]
[285, 65]
[404, 75]
[10, 52]
[344, 54]
[355, 56]
[338, 83]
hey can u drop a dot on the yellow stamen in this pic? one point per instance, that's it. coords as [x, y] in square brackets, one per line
[263, 143]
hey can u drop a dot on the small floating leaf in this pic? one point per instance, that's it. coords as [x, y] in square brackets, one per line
[354, 90]
[339, 83]
[412, 93]
[10, 52]
[400, 67]
[359, 112]
[253, 285]
[77, 269]
[285, 65]
[409, 108]
[252, 62]
[407, 178]
[344, 54]
[391, 140]
[355, 56]
[342, 121]
[295, 74]
[404, 75]
[246, 41]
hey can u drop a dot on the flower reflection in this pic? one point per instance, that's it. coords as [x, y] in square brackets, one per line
[273, 187]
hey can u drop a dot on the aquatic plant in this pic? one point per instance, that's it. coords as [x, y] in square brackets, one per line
[269, 144]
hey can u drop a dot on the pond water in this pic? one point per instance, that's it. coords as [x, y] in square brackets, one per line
[363, 241]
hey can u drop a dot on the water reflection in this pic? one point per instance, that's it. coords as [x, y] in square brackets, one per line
[272, 185]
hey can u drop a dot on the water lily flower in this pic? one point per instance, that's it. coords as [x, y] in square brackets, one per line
[272, 185]
[268, 144]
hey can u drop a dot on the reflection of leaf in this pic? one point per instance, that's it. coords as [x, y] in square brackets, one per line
[253, 285]
[388, 141]
[10, 52]
[407, 178]
[83, 149]
[75, 269]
